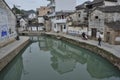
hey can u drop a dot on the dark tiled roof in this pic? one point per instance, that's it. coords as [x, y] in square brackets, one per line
[114, 25]
[97, 3]
[111, 0]
[64, 13]
[110, 9]
[83, 6]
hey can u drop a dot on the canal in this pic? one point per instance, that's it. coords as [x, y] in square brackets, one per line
[46, 58]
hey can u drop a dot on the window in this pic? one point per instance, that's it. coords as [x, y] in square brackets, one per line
[79, 15]
[85, 18]
[64, 26]
[48, 12]
[96, 17]
[54, 25]
[62, 16]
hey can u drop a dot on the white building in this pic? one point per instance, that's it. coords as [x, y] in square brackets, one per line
[60, 6]
[32, 16]
[23, 24]
[7, 24]
[60, 22]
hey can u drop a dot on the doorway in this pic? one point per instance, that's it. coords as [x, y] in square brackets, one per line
[108, 37]
[94, 31]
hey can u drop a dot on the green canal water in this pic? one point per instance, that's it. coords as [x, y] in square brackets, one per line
[50, 59]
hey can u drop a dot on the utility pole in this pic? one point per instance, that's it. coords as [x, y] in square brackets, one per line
[17, 25]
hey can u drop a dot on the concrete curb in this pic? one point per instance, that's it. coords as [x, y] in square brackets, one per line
[7, 55]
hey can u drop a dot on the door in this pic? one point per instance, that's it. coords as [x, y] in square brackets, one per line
[108, 37]
[94, 31]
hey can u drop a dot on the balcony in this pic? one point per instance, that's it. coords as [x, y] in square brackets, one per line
[51, 14]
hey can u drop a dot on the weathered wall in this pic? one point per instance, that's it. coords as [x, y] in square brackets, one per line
[97, 23]
[7, 23]
[48, 25]
[43, 10]
[81, 15]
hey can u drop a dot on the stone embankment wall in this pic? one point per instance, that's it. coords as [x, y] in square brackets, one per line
[9, 55]
[105, 54]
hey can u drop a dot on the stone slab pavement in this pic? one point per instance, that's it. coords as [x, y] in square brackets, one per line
[10, 47]
[114, 49]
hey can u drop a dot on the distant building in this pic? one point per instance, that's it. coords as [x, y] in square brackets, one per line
[7, 24]
[60, 21]
[32, 16]
[43, 10]
[60, 6]
[23, 24]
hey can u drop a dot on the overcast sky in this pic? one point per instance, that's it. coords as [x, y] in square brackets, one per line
[32, 4]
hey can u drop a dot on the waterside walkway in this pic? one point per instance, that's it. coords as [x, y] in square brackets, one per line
[8, 52]
[113, 49]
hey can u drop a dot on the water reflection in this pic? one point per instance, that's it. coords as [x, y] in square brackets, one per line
[43, 45]
[58, 60]
[14, 70]
[65, 57]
